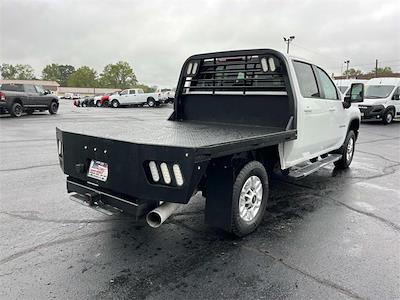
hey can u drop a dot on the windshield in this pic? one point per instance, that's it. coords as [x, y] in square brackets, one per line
[378, 91]
[343, 88]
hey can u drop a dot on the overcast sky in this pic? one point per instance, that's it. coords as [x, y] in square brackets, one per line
[156, 36]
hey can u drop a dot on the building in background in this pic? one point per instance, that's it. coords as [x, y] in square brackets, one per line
[84, 91]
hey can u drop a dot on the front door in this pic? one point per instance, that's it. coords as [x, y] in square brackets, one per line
[395, 101]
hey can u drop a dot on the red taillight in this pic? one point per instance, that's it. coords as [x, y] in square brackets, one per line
[2, 96]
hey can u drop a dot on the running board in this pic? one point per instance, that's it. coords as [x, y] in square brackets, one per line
[313, 167]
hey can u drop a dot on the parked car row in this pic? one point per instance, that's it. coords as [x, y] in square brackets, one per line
[381, 98]
[128, 97]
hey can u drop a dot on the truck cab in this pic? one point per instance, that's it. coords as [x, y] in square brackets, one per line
[382, 100]
[238, 116]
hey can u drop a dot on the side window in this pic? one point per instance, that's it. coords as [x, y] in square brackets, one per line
[39, 89]
[131, 91]
[125, 92]
[29, 88]
[327, 86]
[306, 79]
[396, 94]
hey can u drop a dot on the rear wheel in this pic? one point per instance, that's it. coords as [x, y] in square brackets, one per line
[387, 117]
[16, 110]
[151, 102]
[98, 103]
[106, 103]
[347, 151]
[53, 108]
[115, 103]
[249, 201]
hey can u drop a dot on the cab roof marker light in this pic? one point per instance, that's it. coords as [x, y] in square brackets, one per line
[264, 64]
[165, 173]
[178, 174]
[271, 63]
[189, 69]
[194, 70]
[154, 171]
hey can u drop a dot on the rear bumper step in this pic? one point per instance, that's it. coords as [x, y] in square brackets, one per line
[107, 203]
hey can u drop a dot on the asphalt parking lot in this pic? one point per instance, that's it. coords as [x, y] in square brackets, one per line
[332, 235]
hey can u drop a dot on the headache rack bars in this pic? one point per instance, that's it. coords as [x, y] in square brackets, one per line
[239, 75]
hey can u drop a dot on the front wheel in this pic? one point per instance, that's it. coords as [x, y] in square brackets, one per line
[53, 108]
[151, 102]
[98, 103]
[249, 200]
[347, 151]
[387, 117]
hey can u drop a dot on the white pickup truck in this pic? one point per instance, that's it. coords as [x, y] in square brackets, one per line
[134, 97]
[238, 116]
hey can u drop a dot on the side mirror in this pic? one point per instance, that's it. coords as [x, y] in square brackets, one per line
[355, 94]
[46, 92]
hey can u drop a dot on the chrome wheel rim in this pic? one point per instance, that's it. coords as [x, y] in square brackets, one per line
[389, 118]
[350, 149]
[250, 198]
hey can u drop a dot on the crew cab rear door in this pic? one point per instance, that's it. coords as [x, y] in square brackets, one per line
[314, 128]
[31, 95]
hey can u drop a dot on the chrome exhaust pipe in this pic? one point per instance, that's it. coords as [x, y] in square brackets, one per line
[158, 215]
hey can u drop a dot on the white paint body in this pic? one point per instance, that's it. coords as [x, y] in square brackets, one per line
[133, 96]
[322, 124]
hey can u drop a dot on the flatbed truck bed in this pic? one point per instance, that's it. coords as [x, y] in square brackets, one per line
[211, 139]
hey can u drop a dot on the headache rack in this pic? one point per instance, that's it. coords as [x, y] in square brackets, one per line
[245, 74]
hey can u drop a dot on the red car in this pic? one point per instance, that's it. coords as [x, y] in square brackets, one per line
[104, 100]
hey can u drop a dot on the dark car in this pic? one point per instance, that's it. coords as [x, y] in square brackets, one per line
[16, 98]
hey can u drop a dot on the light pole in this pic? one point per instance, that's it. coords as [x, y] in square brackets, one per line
[288, 40]
[347, 68]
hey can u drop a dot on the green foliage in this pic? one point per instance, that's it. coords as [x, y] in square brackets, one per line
[352, 72]
[145, 88]
[18, 71]
[83, 77]
[119, 75]
[59, 73]
[382, 71]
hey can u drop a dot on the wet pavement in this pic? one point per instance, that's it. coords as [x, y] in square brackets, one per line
[332, 235]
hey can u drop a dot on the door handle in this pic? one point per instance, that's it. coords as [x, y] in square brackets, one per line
[332, 109]
[308, 110]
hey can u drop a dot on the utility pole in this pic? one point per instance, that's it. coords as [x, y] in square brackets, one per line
[288, 40]
[376, 68]
[347, 68]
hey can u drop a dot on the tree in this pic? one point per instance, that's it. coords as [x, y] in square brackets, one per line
[83, 77]
[382, 71]
[145, 88]
[59, 73]
[18, 71]
[119, 75]
[352, 72]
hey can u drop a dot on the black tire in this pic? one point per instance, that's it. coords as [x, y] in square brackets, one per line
[16, 110]
[83, 104]
[106, 104]
[151, 102]
[53, 108]
[346, 159]
[115, 103]
[29, 111]
[387, 117]
[240, 226]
